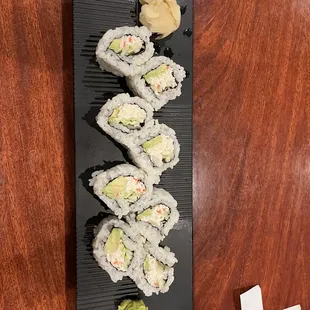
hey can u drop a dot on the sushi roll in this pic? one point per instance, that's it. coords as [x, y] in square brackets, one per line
[155, 273]
[155, 222]
[124, 188]
[158, 82]
[156, 151]
[122, 51]
[124, 118]
[116, 248]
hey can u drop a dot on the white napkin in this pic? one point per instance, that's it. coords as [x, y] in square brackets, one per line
[252, 299]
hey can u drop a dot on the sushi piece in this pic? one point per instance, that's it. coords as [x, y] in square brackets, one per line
[155, 273]
[124, 50]
[123, 188]
[155, 222]
[116, 248]
[158, 82]
[124, 118]
[156, 151]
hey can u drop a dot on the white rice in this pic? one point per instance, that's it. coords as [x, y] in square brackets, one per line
[121, 207]
[122, 65]
[142, 159]
[153, 234]
[139, 87]
[119, 132]
[131, 239]
[165, 257]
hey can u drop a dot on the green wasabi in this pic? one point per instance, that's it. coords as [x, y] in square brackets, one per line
[132, 305]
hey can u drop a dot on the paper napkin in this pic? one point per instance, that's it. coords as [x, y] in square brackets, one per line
[252, 299]
[297, 307]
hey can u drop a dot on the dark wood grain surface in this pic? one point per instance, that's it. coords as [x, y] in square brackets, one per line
[251, 149]
[37, 233]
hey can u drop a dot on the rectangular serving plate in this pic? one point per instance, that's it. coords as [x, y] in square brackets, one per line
[95, 151]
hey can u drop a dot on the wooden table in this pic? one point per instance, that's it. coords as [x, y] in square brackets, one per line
[251, 150]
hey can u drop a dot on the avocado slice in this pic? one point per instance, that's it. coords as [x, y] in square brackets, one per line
[127, 122]
[155, 73]
[146, 264]
[151, 143]
[146, 213]
[130, 122]
[113, 116]
[113, 241]
[132, 197]
[116, 188]
[152, 217]
[130, 49]
[159, 269]
[116, 45]
[114, 248]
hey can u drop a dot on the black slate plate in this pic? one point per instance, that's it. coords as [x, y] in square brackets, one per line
[94, 151]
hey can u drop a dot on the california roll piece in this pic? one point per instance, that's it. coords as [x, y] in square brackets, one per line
[156, 273]
[124, 50]
[159, 81]
[124, 118]
[116, 248]
[156, 151]
[155, 222]
[124, 188]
